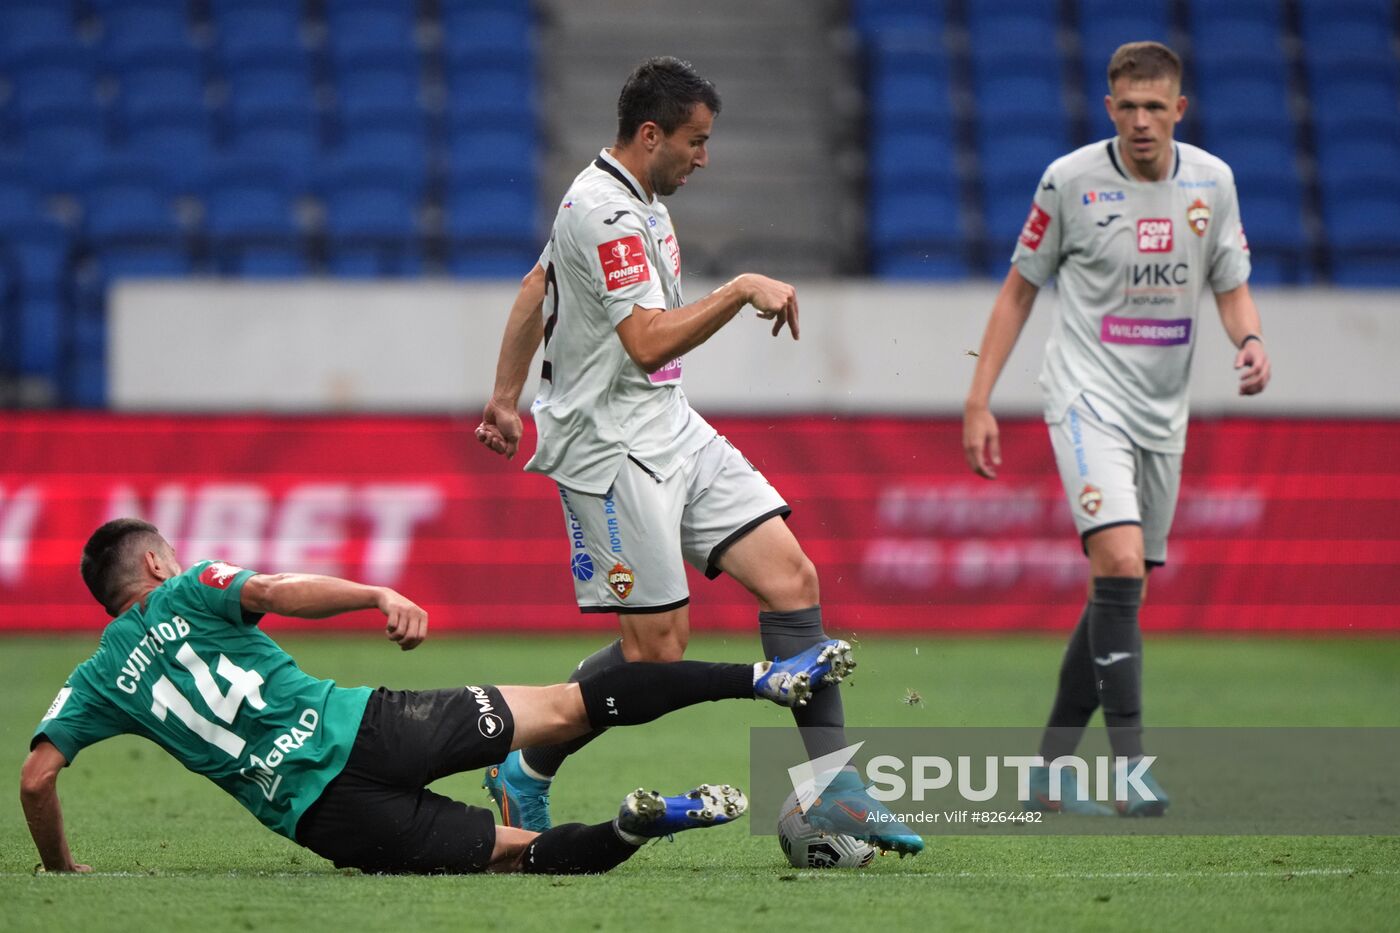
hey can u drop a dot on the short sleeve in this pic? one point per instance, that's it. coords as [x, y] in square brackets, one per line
[78, 717]
[615, 253]
[1229, 257]
[1037, 253]
[218, 587]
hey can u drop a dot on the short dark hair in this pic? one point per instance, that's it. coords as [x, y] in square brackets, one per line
[663, 90]
[110, 558]
[1143, 61]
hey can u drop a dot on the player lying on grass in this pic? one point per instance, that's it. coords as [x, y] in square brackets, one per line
[344, 772]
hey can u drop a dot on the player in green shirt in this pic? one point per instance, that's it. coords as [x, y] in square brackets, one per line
[343, 771]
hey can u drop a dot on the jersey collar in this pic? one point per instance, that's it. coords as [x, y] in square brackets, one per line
[1112, 148]
[614, 168]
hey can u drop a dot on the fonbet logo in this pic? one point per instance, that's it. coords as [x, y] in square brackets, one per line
[1154, 235]
[892, 779]
[488, 723]
[624, 262]
[1034, 231]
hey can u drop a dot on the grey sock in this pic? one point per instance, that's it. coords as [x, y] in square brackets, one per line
[822, 720]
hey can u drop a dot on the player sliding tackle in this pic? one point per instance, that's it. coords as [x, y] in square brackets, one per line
[343, 771]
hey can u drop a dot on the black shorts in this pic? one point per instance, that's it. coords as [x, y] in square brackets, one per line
[378, 816]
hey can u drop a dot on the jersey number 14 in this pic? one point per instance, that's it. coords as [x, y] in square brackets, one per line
[242, 685]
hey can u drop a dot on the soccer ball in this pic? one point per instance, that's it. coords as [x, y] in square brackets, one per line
[808, 847]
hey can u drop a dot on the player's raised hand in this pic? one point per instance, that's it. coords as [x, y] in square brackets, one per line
[1253, 358]
[406, 624]
[774, 301]
[981, 442]
[500, 429]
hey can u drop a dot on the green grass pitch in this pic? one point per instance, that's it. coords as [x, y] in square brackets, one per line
[173, 852]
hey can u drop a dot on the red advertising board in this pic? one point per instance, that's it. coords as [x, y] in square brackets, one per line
[1283, 525]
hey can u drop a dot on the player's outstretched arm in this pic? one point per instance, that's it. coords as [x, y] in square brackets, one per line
[310, 596]
[1241, 319]
[653, 338]
[38, 794]
[500, 420]
[1010, 311]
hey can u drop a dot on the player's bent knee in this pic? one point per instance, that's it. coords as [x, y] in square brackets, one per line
[655, 651]
[509, 848]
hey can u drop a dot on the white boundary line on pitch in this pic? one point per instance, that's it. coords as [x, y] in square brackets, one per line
[1121, 875]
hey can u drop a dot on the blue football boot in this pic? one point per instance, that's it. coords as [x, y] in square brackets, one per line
[648, 814]
[523, 800]
[846, 807]
[792, 681]
[1068, 798]
[1139, 805]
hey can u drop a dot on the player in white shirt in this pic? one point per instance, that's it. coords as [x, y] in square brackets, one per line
[1133, 229]
[646, 484]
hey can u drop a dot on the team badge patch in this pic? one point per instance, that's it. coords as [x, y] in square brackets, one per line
[582, 567]
[624, 262]
[1090, 499]
[1197, 216]
[1034, 230]
[219, 575]
[620, 580]
[673, 250]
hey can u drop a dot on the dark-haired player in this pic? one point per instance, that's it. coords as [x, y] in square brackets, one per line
[647, 485]
[344, 772]
[1134, 229]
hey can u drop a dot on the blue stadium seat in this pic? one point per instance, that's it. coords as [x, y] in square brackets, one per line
[250, 218]
[182, 145]
[61, 133]
[502, 97]
[377, 81]
[152, 83]
[493, 216]
[262, 82]
[395, 145]
[1031, 105]
[292, 139]
[1346, 37]
[1346, 162]
[901, 157]
[52, 77]
[371, 28]
[29, 25]
[1015, 161]
[982, 10]
[371, 218]
[20, 202]
[136, 27]
[916, 232]
[271, 28]
[1023, 43]
[487, 36]
[486, 154]
[1363, 231]
[898, 97]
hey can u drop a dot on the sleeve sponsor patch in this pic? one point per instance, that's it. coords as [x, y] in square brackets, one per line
[1034, 231]
[57, 706]
[219, 575]
[624, 262]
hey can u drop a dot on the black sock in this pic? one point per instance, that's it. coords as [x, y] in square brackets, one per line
[640, 692]
[547, 759]
[576, 849]
[823, 720]
[1076, 697]
[1116, 644]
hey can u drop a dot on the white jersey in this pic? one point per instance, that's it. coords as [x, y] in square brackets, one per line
[611, 250]
[1132, 259]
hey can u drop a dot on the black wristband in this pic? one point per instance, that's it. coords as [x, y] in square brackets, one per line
[1248, 338]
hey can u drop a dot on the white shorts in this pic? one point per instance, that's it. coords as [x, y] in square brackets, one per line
[1112, 481]
[629, 547]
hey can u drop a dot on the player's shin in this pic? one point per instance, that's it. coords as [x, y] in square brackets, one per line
[1115, 642]
[823, 719]
[632, 694]
[1076, 697]
[546, 760]
[576, 849]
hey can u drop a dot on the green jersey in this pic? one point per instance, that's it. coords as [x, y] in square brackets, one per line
[191, 671]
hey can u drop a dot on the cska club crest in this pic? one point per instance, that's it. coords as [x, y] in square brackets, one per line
[1197, 216]
[1090, 499]
[621, 579]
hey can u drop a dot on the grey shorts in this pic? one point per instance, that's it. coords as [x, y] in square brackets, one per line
[628, 548]
[1110, 480]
